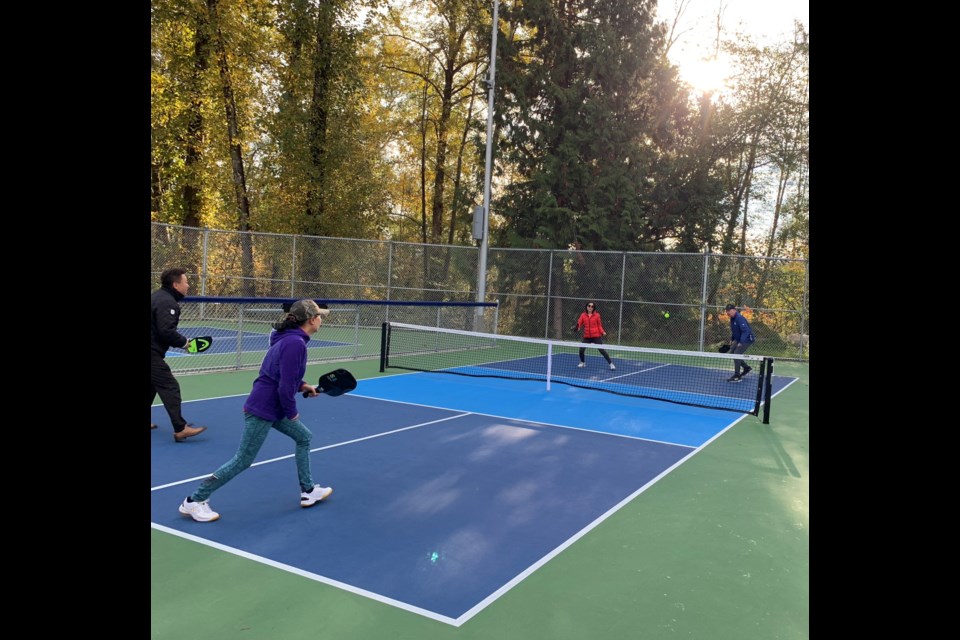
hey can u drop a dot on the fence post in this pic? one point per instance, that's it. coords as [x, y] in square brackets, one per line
[203, 267]
[240, 339]
[803, 309]
[203, 273]
[293, 266]
[623, 282]
[389, 277]
[546, 320]
[703, 296]
[356, 331]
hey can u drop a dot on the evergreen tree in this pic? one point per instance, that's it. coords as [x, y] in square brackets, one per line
[586, 104]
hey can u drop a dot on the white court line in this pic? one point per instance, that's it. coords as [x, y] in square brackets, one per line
[633, 373]
[480, 606]
[483, 604]
[781, 390]
[534, 422]
[470, 613]
[329, 446]
[308, 574]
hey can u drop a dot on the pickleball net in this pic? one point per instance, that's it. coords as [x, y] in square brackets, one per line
[692, 378]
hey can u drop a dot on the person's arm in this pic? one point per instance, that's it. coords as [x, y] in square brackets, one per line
[603, 332]
[167, 321]
[290, 381]
[734, 331]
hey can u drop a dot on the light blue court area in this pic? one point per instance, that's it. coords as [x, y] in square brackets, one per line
[562, 405]
[448, 491]
[230, 341]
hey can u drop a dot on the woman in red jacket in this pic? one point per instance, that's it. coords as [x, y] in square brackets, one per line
[592, 332]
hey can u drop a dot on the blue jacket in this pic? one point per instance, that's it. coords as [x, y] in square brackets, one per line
[274, 392]
[740, 330]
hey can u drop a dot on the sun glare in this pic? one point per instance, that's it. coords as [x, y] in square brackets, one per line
[706, 75]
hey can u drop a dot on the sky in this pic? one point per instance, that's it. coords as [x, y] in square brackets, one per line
[766, 21]
[762, 19]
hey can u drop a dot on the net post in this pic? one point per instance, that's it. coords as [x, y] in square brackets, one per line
[767, 389]
[240, 337]
[356, 332]
[384, 341]
[549, 363]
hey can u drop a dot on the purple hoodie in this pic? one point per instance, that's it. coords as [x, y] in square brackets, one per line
[274, 392]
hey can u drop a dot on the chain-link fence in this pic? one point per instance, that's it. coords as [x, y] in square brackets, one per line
[240, 328]
[649, 299]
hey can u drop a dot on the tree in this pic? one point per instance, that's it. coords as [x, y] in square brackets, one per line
[321, 166]
[440, 52]
[297, 116]
[588, 102]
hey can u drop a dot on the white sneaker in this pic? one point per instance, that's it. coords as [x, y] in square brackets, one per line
[581, 365]
[315, 496]
[612, 366]
[199, 511]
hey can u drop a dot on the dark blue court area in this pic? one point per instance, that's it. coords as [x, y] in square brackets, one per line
[229, 341]
[447, 490]
[684, 384]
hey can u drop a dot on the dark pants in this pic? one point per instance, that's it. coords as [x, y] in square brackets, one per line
[594, 341]
[740, 347]
[163, 382]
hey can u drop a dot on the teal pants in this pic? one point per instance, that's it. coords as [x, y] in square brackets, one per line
[254, 433]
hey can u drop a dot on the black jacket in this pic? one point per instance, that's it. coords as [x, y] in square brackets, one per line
[164, 319]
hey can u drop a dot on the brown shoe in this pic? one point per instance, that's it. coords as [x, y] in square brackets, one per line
[187, 432]
[153, 426]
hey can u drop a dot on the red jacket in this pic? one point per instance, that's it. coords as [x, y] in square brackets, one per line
[592, 327]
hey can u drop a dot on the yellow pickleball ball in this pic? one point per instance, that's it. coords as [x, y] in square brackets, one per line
[666, 314]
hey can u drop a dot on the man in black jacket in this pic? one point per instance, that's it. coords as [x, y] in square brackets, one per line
[164, 319]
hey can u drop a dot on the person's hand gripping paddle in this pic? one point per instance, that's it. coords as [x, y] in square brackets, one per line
[335, 383]
[199, 344]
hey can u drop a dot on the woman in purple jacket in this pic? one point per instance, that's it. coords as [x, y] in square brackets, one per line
[272, 404]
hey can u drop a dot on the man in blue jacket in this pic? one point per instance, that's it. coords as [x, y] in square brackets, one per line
[741, 337]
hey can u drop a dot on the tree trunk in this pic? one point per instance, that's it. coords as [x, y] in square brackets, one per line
[322, 73]
[771, 240]
[457, 196]
[192, 188]
[740, 195]
[423, 166]
[236, 155]
[156, 191]
[454, 42]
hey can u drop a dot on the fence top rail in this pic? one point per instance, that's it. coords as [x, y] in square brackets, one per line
[708, 253]
[405, 303]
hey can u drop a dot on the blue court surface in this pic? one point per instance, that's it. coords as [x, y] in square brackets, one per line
[229, 341]
[684, 384]
[448, 491]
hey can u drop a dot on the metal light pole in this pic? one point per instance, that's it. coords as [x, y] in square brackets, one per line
[484, 241]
